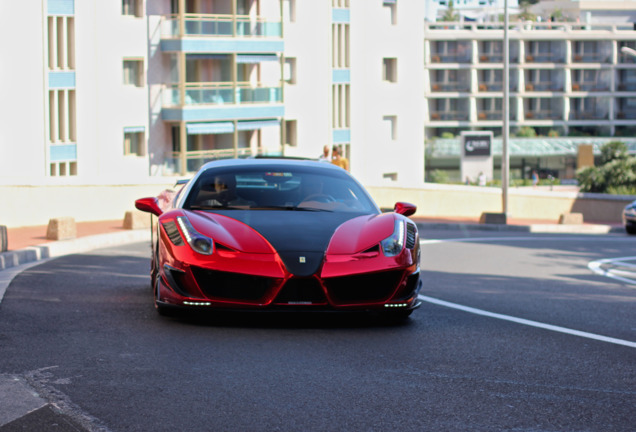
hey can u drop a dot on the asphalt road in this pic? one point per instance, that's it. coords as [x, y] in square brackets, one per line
[82, 346]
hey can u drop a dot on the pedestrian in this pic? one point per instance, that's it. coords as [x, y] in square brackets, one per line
[535, 178]
[338, 159]
[482, 179]
[325, 154]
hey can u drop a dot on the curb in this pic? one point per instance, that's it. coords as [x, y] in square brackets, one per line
[65, 247]
[534, 228]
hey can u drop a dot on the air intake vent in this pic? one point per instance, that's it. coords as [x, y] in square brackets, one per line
[411, 236]
[173, 233]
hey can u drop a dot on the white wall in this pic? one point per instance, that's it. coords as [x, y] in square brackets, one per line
[22, 82]
[308, 39]
[373, 37]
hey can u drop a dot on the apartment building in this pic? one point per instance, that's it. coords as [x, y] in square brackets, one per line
[130, 91]
[567, 80]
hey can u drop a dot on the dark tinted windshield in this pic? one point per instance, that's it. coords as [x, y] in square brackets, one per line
[276, 188]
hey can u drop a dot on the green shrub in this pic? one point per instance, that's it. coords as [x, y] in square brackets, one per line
[439, 176]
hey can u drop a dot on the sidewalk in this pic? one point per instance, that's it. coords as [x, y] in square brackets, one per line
[29, 244]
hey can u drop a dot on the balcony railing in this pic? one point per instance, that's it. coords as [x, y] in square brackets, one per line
[585, 115]
[490, 115]
[220, 94]
[206, 25]
[528, 26]
[450, 87]
[545, 58]
[542, 115]
[543, 87]
[589, 86]
[449, 116]
[450, 58]
[626, 87]
[626, 114]
[196, 159]
[590, 58]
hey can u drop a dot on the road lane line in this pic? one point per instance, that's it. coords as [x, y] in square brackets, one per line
[597, 267]
[527, 322]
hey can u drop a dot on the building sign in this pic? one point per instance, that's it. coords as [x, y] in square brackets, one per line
[476, 145]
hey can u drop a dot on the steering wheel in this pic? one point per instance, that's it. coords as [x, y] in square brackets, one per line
[320, 197]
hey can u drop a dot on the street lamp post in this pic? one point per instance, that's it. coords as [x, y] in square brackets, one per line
[505, 158]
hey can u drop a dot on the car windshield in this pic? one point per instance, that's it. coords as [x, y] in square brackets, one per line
[278, 188]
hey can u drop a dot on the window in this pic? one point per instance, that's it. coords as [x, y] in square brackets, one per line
[289, 10]
[389, 69]
[289, 71]
[392, 126]
[133, 73]
[131, 7]
[134, 142]
[391, 8]
[291, 133]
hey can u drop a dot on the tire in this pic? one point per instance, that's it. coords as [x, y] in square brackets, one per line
[631, 229]
[161, 309]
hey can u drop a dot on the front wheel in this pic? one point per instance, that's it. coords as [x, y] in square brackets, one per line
[631, 229]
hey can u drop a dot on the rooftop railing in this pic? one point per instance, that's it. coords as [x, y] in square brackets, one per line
[529, 26]
[207, 25]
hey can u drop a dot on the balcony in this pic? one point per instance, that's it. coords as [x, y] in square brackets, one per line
[544, 87]
[626, 87]
[544, 57]
[542, 115]
[207, 25]
[449, 115]
[221, 94]
[591, 86]
[491, 87]
[586, 115]
[626, 114]
[490, 115]
[450, 87]
[590, 58]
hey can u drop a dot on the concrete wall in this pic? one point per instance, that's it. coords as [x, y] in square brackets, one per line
[434, 200]
[35, 205]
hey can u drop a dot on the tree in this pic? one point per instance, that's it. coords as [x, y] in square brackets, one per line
[613, 150]
[616, 174]
[449, 14]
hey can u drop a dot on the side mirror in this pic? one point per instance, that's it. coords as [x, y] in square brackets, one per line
[404, 208]
[149, 205]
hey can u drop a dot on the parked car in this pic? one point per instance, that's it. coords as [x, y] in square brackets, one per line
[629, 218]
[281, 234]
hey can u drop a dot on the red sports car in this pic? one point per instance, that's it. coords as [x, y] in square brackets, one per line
[282, 234]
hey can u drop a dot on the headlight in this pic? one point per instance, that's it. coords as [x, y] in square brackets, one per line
[392, 245]
[197, 241]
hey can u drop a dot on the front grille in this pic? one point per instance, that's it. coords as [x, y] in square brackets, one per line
[411, 235]
[301, 291]
[232, 286]
[363, 288]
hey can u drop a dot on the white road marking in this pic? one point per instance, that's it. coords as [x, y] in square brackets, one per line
[527, 322]
[595, 266]
[630, 277]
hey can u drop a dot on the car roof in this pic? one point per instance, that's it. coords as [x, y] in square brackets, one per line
[263, 162]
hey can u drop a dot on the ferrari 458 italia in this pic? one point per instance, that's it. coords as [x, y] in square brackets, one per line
[281, 234]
